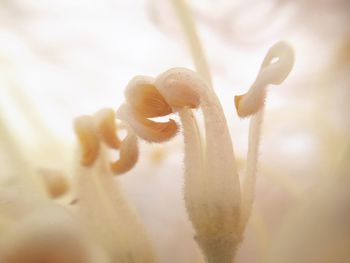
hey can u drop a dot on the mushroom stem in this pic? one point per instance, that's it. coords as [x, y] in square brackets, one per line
[212, 190]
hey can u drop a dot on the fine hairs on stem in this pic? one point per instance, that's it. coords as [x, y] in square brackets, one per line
[217, 203]
[202, 67]
[217, 208]
[271, 72]
[194, 149]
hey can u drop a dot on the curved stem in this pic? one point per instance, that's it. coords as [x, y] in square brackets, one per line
[211, 188]
[219, 158]
[192, 139]
[194, 43]
[218, 141]
[249, 180]
[105, 210]
[213, 192]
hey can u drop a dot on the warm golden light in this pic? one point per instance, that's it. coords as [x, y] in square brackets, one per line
[175, 131]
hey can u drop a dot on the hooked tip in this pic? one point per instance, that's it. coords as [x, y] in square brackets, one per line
[128, 154]
[107, 127]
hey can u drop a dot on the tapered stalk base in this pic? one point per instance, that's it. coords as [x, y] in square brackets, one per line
[219, 249]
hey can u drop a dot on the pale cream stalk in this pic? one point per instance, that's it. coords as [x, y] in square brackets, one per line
[248, 184]
[104, 209]
[194, 43]
[212, 190]
[190, 132]
[109, 216]
[275, 68]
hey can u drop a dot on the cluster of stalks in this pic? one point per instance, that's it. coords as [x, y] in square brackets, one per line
[217, 203]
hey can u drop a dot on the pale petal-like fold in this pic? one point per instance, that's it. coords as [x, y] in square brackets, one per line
[146, 129]
[271, 72]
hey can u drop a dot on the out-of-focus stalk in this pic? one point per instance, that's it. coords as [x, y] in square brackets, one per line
[194, 43]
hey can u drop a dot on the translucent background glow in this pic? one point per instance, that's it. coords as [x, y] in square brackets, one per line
[62, 58]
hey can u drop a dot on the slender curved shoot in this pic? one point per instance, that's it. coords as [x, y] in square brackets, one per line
[102, 206]
[215, 205]
[275, 68]
[128, 154]
[212, 193]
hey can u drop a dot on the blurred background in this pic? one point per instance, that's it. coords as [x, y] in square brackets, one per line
[62, 58]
